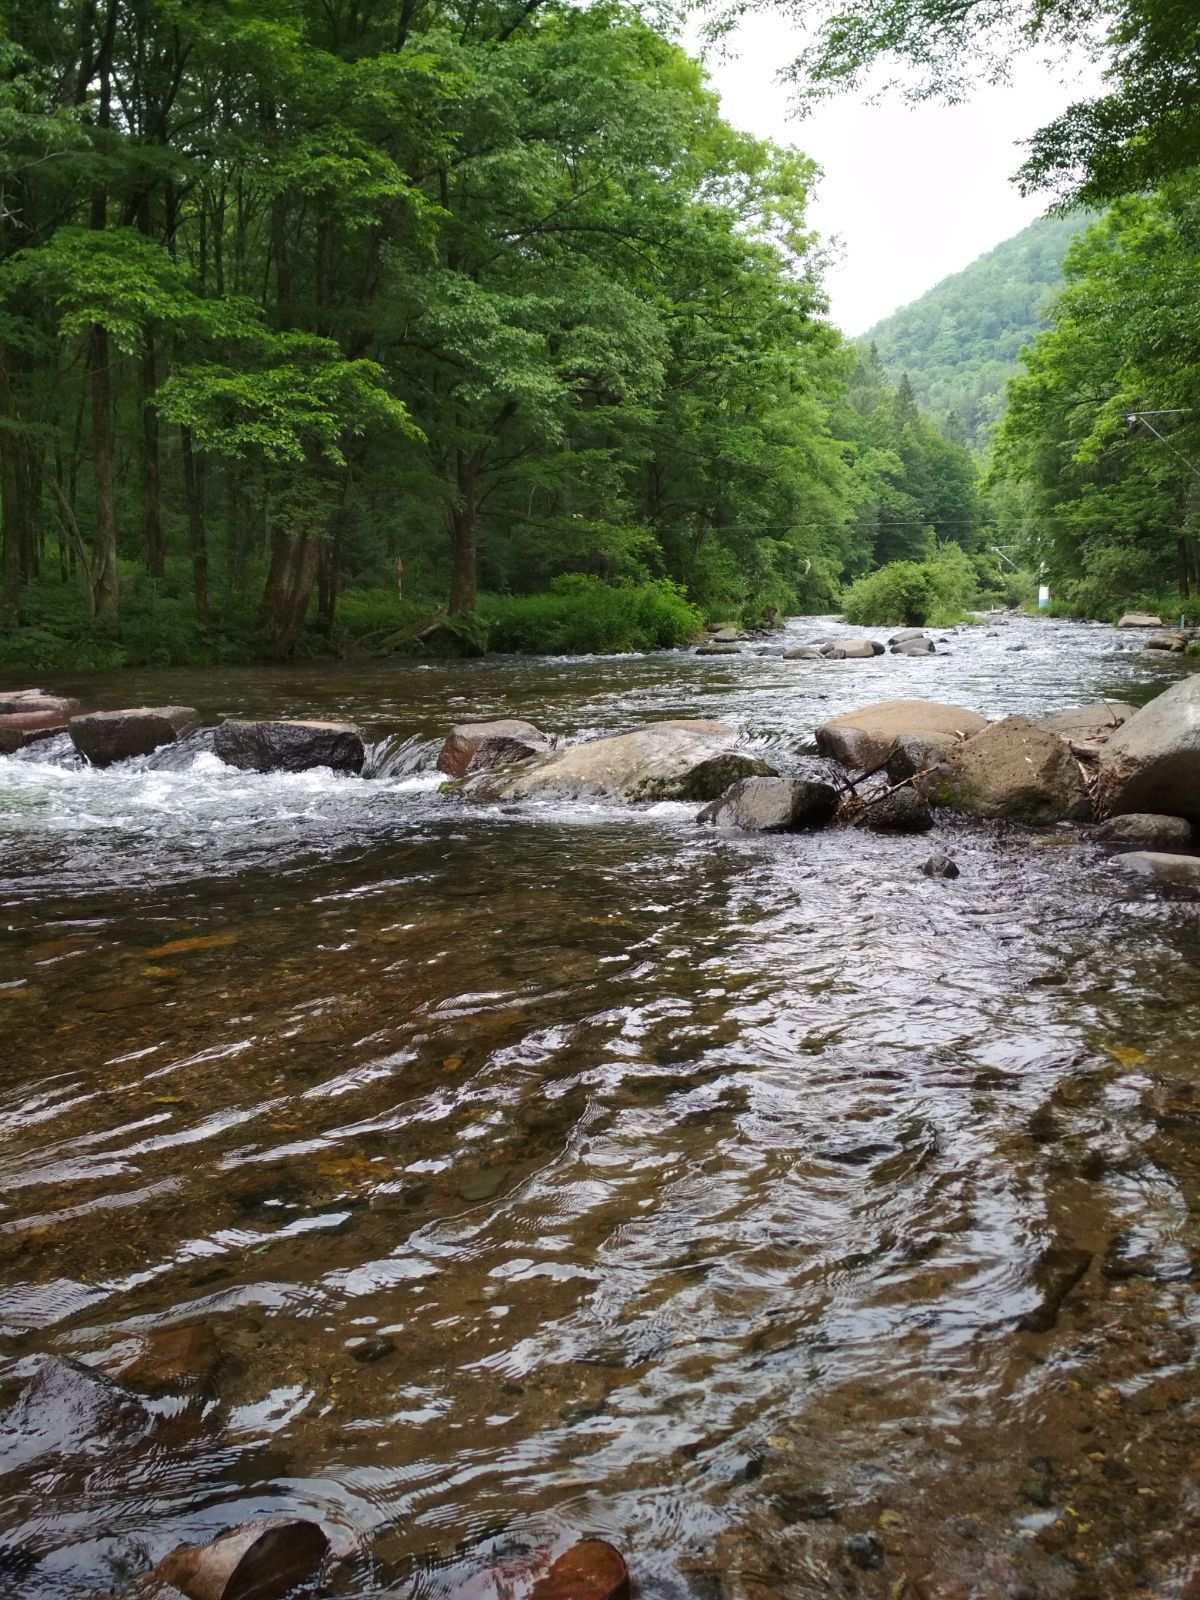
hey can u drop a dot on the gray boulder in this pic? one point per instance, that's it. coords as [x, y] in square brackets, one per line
[1144, 827]
[1173, 642]
[1172, 871]
[718, 650]
[903, 811]
[728, 636]
[906, 635]
[851, 649]
[915, 647]
[773, 805]
[102, 737]
[479, 746]
[864, 738]
[1012, 768]
[658, 762]
[1089, 724]
[1152, 763]
[803, 652]
[296, 746]
[918, 752]
[1139, 619]
[27, 714]
[940, 866]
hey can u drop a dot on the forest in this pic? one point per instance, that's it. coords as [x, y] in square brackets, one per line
[369, 325]
[293, 293]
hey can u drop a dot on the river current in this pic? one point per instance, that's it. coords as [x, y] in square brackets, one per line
[801, 1224]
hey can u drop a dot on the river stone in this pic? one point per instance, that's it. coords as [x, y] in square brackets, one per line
[479, 746]
[1139, 619]
[1087, 724]
[42, 710]
[103, 737]
[918, 752]
[1012, 768]
[1177, 872]
[1152, 763]
[915, 647]
[718, 650]
[1144, 827]
[67, 1409]
[1174, 642]
[802, 652]
[289, 746]
[852, 649]
[654, 763]
[864, 738]
[940, 866]
[728, 636]
[902, 812]
[907, 634]
[773, 805]
[262, 1560]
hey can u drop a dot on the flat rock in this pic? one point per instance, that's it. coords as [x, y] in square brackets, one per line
[1145, 827]
[1152, 762]
[1088, 724]
[15, 735]
[103, 737]
[290, 746]
[36, 702]
[773, 805]
[718, 650]
[864, 738]
[906, 635]
[1173, 642]
[915, 647]
[653, 763]
[1012, 768]
[1139, 619]
[803, 652]
[1179, 872]
[479, 746]
[852, 649]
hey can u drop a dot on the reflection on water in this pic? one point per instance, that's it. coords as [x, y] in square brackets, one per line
[545, 1174]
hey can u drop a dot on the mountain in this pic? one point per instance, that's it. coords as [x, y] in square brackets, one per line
[958, 343]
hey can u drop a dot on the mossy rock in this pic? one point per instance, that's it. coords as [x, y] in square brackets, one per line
[708, 780]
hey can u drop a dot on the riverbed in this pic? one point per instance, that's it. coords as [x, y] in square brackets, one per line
[552, 1171]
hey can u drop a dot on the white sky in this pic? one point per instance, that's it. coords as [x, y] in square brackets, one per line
[909, 194]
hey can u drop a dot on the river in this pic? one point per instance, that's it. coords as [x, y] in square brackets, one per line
[550, 1171]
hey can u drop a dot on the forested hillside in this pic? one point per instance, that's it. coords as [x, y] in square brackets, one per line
[958, 344]
[291, 294]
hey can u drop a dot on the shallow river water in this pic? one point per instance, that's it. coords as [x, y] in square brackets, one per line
[801, 1224]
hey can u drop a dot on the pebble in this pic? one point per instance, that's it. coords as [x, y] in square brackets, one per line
[865, 1551]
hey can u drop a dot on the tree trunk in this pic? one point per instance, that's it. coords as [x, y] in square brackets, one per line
[152, 530]
[275, 583]
[104, 560]
[463, 520]
[193, 490]
[10, 499]
[289, 589]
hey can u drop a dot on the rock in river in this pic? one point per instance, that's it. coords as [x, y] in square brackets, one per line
[1175, 643]
[902, 811]
[262, 1560]
[915, 647]
[773, 805]
[852, 649]
[1093, 722]
[27, 714]
[864, 738]
[1144, 827]
[1012, 768]
[1152, 763]
[289, 746]
[1179, 872]
[103, 737]
[479, 746]
[658, 762]
[1139, 619]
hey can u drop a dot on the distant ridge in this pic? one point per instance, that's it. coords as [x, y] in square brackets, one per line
[959, 342]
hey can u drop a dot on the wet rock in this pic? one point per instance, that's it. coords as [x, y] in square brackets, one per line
[480, 746]
[803, 652]
[907, 636]
[1059, 1269]
[724, 730]
[729, 635]
[805, 1504]
[1038, 1484]
[915, 647]
[1013, 768]
[904, 811]
[289, 746]
[103, 737]
[16, 733]
[1089, 724]
[940, 866]
[852, 649]
[718, 650]
[1139, 619]
[368, 1351]
[36, 703]
[658, 762]
[918, 752]
[1144, 827]
[262, 1560]
[68, 1409]
[773, 805]
[590, 1570]
[864, 738]
[1175, 643]
[181, 1357]
[865, 1551]
[1176, 872]
[1152, 763]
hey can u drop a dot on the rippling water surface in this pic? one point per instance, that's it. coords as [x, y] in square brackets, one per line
[532, 1173]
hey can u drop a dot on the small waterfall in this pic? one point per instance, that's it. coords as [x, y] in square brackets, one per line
[179, 755]
[55, 752]
[401, 756]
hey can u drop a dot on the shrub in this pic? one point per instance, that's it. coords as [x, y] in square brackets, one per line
[583, 616]
[915, 593]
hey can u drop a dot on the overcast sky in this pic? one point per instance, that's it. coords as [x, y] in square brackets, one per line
[910, 193]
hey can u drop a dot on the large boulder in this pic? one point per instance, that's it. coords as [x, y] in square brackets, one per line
[906, 635]
[1152, 763]
[803, 652]
[1174, 643]
[1146, 828]
[1139, 619]
[915, 647]
[901, 811]
[27, 714]
[773, 805]
[864, 738]
[918, 752]
[102, 737]
[1089, 723]
[1172, 871]
[15, 736]
[658, 762]
[479, 746]
[1012, 768]
[851, 649]
[718, 650]
[290, 746]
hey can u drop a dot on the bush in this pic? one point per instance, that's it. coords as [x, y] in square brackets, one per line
[915, 593]
[583, 616]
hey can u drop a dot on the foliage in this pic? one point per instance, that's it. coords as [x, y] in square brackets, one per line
[958, 344]
[936, 592]
[584, 616]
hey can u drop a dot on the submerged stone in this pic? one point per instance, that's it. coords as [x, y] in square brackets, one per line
[773, 805]
[262, 1560]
